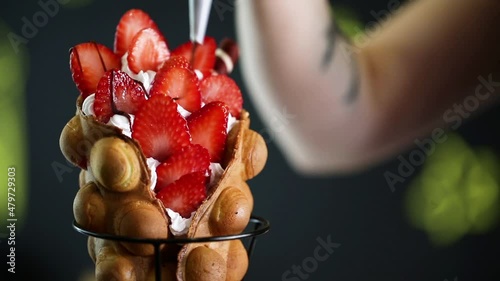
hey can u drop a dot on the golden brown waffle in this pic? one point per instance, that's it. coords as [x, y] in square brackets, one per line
[115, 198]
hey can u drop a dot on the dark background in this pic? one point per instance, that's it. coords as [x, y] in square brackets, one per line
[358, 211]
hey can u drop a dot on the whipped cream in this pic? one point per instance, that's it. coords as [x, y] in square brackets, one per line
[88, 105]
[216, 173]
[123, 123]
[199, 74]
[178, 224]
[152, 165]
[146, 78]
[231, 121]
[117, 120]
[183, 111]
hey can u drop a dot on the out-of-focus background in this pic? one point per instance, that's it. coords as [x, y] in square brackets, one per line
[410, 218]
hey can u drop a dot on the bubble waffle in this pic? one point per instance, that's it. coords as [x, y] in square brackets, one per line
[115, 197]
[162, 139]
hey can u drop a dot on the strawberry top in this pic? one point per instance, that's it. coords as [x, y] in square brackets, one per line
[177, 111]
[130, 24]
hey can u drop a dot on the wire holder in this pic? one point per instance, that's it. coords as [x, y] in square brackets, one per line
[260, 226]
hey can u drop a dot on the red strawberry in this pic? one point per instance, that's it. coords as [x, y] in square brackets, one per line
[204, 57]
[227, 56]
[208, 126]
[117, 92]
[130, 24]
[179, 83]
[185, 195]
[147, 51]
[176, 61]
[88, 62]
[159, 128]
[222, 88]
[192, 158]
[103, 108]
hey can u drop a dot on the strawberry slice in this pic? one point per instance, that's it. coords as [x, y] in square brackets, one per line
[117, 92]
[147, 51]
[185, 195]
[130, 24]
[208, 126]
[222, 88]
[88, 62]
[227, 56]
[204, 57]
[179, 83]
[175, 62]
[159, 128]
[103, 108]
[192, 158]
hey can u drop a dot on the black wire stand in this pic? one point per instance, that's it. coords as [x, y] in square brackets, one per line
[260, 226]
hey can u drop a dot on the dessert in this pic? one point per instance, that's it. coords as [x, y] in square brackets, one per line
[165, 150]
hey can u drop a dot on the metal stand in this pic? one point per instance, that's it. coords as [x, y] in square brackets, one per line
[261, 226]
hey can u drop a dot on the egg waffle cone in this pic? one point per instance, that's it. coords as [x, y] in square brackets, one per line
[115, 198]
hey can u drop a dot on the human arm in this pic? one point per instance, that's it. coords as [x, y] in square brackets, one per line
[362, 107]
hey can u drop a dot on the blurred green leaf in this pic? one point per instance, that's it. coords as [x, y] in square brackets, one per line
[456, 192]
[13, 143]
[481, 196]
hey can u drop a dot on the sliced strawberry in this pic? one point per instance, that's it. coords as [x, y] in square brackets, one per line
[175, 62]
[88, 62]
[159, 128]
[130, 24]
[204, 57]
[208, 126]
[222, 88]
[129, 94]
[227, 56]
[103, 108]
[185, 195]
[147, 51]
[179, 83]
[117, 92]
[192, 158]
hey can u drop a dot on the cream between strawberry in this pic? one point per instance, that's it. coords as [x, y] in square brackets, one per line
[179, 118]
